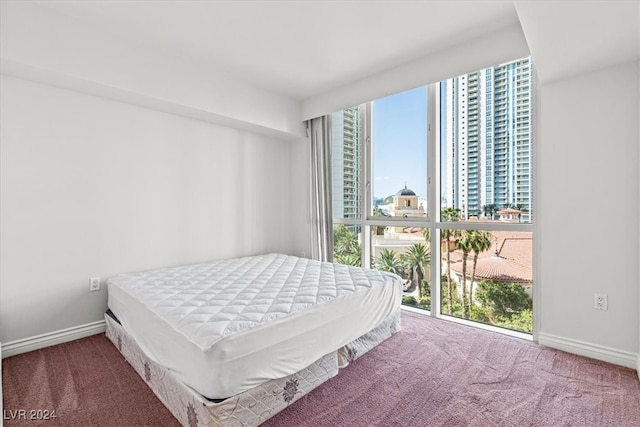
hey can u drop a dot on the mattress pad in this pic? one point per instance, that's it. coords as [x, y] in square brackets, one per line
[226, 326]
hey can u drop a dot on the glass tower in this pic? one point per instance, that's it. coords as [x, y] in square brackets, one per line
[487, 139]
[346, 154]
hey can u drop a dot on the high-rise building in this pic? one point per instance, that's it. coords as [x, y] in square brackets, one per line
[346, 154]
[487, 139]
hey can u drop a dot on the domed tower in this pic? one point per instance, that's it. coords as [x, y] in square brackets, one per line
[405, 204]
[405, 199]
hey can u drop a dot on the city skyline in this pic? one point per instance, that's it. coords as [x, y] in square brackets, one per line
[487, 139]
[485, 142]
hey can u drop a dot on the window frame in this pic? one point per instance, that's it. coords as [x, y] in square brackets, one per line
[432, 221]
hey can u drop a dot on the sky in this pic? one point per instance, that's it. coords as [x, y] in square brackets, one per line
[399, 143]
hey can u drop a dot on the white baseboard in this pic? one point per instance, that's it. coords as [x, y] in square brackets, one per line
[594, 351]
[638, 367]
[25, 345]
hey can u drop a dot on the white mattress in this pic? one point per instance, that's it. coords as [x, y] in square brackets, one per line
[227, 326]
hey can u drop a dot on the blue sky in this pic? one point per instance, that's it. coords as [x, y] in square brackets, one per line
[399, 143]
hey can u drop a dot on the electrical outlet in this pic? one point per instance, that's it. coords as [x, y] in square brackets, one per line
[94, 284]
[600, 302]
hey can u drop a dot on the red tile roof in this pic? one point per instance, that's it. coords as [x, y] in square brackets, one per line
[509, 259]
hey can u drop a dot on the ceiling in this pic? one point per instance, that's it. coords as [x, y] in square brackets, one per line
[304, 48]
[568, 37]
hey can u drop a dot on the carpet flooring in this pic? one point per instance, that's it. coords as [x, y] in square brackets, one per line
[432, 373]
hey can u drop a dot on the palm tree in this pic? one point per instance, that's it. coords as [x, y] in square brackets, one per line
[522, 208]
[489, 210]
[346, 249]
[378, 230]
[349, 259]
[417, 258]
[449, 214]
[389, 261]
[481, 242]
[465, 245]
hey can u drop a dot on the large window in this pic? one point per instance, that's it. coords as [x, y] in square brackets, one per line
[436, 184]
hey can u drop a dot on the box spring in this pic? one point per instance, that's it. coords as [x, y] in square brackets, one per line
[249, 408]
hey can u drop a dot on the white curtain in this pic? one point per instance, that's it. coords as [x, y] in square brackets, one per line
[319, 134]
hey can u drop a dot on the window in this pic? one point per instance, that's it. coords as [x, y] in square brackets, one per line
[346, 163]
[445, 202]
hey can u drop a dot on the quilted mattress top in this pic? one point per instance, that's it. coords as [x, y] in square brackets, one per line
[210, 301]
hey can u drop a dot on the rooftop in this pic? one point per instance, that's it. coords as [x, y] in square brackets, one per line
[509, 259]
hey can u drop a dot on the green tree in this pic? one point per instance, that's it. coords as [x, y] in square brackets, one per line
[481, 314]
[425, 287]
[503, 299]
[409, 300]
[522, 208]
[346, 249]
[449, 214]
[522, 321]
[465, 244]
[348, 259]
[417, 257]
[475, 241]
[490, 210]
[378, 230]
[481, 242]
[389, 261]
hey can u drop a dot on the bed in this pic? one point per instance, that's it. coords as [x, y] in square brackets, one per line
[232, 342]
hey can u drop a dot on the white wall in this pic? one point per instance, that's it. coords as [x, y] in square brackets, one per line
[93, 184]
[93, 187]
[56, 48]
[589, 210]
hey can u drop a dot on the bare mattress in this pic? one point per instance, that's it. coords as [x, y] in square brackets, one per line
[225, 327]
